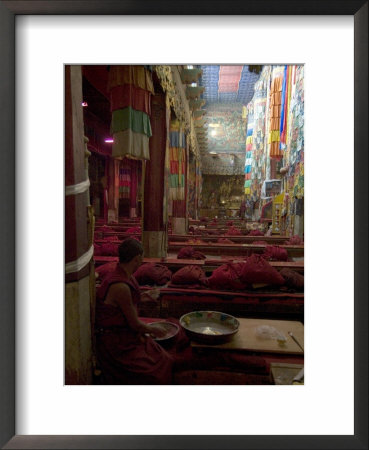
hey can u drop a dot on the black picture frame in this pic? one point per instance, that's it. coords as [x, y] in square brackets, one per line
[8, 11]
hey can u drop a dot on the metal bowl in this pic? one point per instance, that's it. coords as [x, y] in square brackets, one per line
[172, 330]
[210, 327]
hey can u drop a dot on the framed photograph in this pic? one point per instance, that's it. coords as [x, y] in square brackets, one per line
[37, 410]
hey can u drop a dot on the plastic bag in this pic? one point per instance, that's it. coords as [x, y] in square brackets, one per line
[268, 332]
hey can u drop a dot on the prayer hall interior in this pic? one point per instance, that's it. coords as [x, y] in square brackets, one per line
[184, 215]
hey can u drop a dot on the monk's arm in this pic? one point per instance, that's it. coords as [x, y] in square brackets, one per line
[121, 295]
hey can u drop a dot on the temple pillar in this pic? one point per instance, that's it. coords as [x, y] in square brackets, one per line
[154, 234]
[178, 148]
[113, 190]
[133, 190]
[79, 271]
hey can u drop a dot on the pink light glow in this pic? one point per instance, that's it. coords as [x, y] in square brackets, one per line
[109, 140]
[84, 104]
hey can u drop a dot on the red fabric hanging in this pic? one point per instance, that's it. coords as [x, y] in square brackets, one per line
[130, 95]
[179, 208]
[134, 183]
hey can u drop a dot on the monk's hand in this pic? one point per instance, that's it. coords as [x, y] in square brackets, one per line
[152, 294]
[158, 330]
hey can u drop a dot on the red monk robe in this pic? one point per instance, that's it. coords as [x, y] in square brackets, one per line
[126, 356]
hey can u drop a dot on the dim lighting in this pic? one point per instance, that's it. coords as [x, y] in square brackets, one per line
[84, 104]
[109, 140]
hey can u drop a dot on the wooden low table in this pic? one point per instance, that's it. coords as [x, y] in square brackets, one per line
[246, 338]
[234, 249]
[271, 240]
[284, 373]
[206, 265]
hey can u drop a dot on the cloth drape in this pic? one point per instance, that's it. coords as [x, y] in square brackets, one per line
[275, 102]
[130, 89]
[177, 165]
[135, 75]
[130, 95]
[129, 118]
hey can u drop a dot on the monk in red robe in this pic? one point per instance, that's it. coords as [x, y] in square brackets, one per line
[125, 349]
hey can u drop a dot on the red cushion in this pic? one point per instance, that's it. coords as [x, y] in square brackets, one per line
[110, 249]
[275, 253]
[224, 241]
[295, 240]
[111, 238]
[134, 230]
[256, 233]
[233, 231]
[257, 270]
[107, 229]
[152, 273]
[105, 268]
[97, 250]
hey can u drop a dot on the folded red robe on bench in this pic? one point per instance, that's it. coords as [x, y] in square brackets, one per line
[152, 273]
[189, 276]
[275, 253]
[189, 252]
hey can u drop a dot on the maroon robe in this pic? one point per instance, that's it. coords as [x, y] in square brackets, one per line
[126, 356]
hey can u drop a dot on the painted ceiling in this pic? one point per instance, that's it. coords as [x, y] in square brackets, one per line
[228, 84]
[227, 89]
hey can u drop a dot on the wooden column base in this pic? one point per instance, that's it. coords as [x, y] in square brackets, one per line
[154, 244]
[179, 225]
[112, 216]
[78, 345]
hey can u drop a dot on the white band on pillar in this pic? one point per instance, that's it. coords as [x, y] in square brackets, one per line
[78, 188]
[81, 262]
